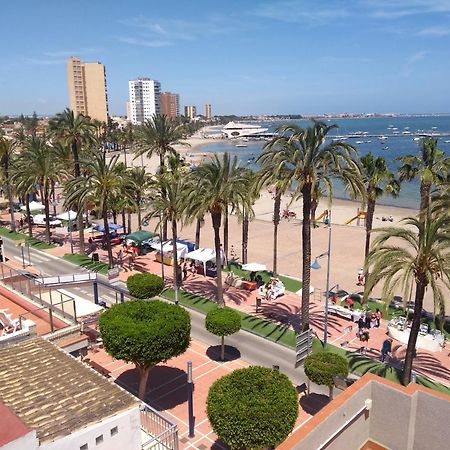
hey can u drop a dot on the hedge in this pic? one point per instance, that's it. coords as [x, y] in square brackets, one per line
[145, 285]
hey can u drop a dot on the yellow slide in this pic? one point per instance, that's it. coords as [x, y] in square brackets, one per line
[321, 216]
[360, 215]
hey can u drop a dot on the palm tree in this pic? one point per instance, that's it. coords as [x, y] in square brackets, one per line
[158, 136]
[78, 133]
[101, 183]
[168, 205]
[140, 183]
[378, 181]
[431, 166]
[7, 147]
[211, 190]
[303, 153]
[40, 166]
[24, 184]
[279, 178]
[423, 260]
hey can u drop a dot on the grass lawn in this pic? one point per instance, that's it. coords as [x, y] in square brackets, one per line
[261, 327]
[85, 261]
[291, 284]
[34, 242]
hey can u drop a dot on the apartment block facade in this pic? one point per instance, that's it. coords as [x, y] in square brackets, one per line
[144, 99]
[87, 88]
[190, 111]
[208, 113]
[170, 104]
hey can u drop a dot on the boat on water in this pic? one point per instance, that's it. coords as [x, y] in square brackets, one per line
[382, 138]
[416, 139]
[360, 142]
[385, 147]
[241, 145]
[233, 130]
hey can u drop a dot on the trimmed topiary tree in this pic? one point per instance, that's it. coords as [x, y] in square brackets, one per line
[252, 408]
[320, 368]
[223, 322]
[145, 333]
[145, 285]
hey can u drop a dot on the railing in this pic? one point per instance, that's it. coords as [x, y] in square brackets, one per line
[163, 432]
[64, 279]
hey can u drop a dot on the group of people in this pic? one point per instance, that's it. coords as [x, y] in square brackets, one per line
[371, 319]
[269, 291]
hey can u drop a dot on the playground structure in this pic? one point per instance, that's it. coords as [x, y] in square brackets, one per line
[360, 215]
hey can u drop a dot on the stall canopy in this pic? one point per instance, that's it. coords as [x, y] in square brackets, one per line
[112, 226]
[140, 236]
[203, 255]
[68, 215]
[254, 267]
[34, 206]
[181, 248]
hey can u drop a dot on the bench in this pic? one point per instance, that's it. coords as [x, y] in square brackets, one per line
[98, 368]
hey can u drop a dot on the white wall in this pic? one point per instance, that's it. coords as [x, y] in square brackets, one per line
[127, 438]
[28, 442]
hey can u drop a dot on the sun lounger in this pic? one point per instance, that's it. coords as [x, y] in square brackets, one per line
[9, 324]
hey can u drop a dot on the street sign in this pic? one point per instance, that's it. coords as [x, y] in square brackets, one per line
[303, 346]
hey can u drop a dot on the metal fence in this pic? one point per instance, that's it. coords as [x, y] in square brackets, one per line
[163, 432]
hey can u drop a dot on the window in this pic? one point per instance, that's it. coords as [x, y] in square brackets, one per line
[99, 439]
[114, 431]
[84, 447]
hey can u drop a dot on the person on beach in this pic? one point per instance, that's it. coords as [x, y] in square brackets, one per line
[360, 277]
[386, 349]
[368, 318]
[364, 337]
[185, 271]
[192, 268]
[378, 316]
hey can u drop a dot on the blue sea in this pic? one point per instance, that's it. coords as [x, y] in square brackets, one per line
[396, 144]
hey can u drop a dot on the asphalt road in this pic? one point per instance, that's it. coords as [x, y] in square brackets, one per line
[254, 349]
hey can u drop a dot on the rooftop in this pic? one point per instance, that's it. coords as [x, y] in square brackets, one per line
[45, 386]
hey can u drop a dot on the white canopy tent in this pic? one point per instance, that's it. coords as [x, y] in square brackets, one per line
[34, 206]
[168, 247]
[68, 215]
[202, 255]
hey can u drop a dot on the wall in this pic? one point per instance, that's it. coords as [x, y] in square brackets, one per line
[97, 107]
[28, 442]
[128, 436]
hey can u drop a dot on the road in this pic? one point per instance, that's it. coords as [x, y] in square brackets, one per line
[253, 349]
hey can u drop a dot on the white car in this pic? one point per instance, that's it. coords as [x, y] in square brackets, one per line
[39, 220]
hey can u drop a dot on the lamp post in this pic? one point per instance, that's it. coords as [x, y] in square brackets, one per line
[316, 265]
[161, 242]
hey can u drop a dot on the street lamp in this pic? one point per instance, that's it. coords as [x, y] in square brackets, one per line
[316, 265]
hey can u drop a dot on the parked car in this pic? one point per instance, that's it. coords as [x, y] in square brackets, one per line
[40, 221]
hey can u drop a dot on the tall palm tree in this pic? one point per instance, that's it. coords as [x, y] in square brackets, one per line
[78, 133]
[158, 136]
[431, 166]
[211, 191]
[140, 183]
[304, 153]
[102, 182]
[278, 177]
[378, 181]
[40, 166]
[7, 149]
[423, 260]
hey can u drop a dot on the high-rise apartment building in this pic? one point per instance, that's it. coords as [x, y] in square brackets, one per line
[170, 104]
[145, 99]
[87, 88]
[190, 111]
[208, 111]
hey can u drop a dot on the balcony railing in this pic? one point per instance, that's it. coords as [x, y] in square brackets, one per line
[163, 433]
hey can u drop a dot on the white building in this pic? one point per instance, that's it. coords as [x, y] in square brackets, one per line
[145, 99]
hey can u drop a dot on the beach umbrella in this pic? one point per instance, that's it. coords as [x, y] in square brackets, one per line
[254, 267]
[68, 215]
[112, 226]
[34, 206]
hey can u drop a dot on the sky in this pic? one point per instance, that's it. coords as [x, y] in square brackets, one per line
[242, 56]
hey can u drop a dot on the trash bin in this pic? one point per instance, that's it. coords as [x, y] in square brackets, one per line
[95, 257]
[258, 304]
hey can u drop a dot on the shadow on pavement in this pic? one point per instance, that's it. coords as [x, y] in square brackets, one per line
[231, 353]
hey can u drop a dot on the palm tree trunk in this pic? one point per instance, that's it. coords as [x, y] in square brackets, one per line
[164, 195]
[197, 233]
[129, 221]
[114, 214]
[47, 213]
[175, 260]
[11, 207]
[30, 225]
[107, 236]
[225, 233]
[245, 224]
[369, 224]
[410, 349]
[306, 252]
[144, 372]
[216, 219]
[54, 198]
[276, 222]
[425, 189]
[313, 212]
[139, 214]
[77, 172]
[124, 221]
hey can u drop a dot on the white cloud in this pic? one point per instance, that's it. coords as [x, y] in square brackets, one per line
[44, 61]
[145, 42]
[435, 31]
[68, 53]
[394, 9]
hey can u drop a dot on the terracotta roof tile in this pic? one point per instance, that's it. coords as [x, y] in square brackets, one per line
[54, 393]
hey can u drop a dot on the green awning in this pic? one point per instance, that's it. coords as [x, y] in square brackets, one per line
[140, 236]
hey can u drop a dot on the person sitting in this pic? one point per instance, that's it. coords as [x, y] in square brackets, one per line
[252, 276]
[259, 281]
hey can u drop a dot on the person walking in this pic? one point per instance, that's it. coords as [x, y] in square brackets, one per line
[386, 349]
[378, 316]
[364, 338]
[185, 270]
[368, 318]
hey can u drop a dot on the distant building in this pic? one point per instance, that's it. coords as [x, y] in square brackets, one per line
[53, 401]
[170, 104]
[190, 111]
[87, 88]
[208, 114]
[145, 99]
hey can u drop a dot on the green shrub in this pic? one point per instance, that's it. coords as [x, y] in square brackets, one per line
[252, 408]
[145, 333]
[145, 285]
[321, 367]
